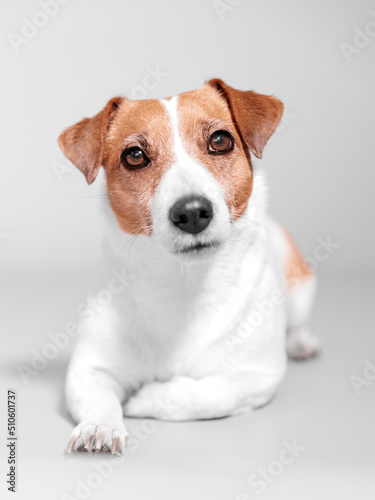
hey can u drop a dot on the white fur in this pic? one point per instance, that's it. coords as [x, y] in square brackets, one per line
[171, 345]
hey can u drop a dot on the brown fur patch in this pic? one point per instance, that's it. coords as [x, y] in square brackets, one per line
[145, 124]
[256, 115]
[83, 143]
[296, 269]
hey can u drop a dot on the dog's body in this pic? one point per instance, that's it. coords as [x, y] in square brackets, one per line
[211, 282]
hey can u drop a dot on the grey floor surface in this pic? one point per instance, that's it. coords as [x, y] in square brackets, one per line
[317, 409]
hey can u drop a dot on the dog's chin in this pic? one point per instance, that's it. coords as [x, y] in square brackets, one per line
[192, 248]
[198, 251]
[195, 252]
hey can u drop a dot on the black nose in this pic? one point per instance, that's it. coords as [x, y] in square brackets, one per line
[191, 214]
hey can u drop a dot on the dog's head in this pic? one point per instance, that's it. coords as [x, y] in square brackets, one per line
[177, 168]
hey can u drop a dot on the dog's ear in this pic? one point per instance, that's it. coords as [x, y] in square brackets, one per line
[255, 115]
[83, 143]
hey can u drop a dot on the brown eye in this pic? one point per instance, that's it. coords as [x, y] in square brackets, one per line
[220, 142]
[133, 158]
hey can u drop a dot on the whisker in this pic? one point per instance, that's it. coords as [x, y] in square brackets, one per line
[269, 177]
[230, 240]
[270, 200]
[131, 244]
[258, 224]
[89, 196]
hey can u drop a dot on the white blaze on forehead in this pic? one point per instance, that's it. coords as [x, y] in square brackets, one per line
[193, 176]
[187, 175]
[171, 107]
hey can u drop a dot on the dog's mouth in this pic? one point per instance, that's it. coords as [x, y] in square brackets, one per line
[198, 248]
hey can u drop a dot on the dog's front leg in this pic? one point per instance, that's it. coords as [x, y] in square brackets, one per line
[184, 398]
[94, 401]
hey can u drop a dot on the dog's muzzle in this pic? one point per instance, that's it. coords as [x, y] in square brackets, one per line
[191, 214]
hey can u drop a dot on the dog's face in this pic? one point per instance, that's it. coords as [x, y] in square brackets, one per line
[177, 168]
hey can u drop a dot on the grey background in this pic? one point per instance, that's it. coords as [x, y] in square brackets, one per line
[321, 173]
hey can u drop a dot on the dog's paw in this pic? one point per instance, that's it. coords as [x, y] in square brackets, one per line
[302, 344]
[105, 437]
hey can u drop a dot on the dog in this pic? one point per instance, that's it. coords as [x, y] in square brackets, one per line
[217, 292]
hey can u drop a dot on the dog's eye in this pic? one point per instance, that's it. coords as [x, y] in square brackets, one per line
[133, 158]
[220, 142]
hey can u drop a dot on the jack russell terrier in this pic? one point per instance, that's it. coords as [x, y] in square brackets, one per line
[217, 292]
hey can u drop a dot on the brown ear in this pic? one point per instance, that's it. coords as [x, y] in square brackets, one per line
[83, 143]
[255, 115]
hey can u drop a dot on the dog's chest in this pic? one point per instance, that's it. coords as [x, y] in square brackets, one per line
[180, 318]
